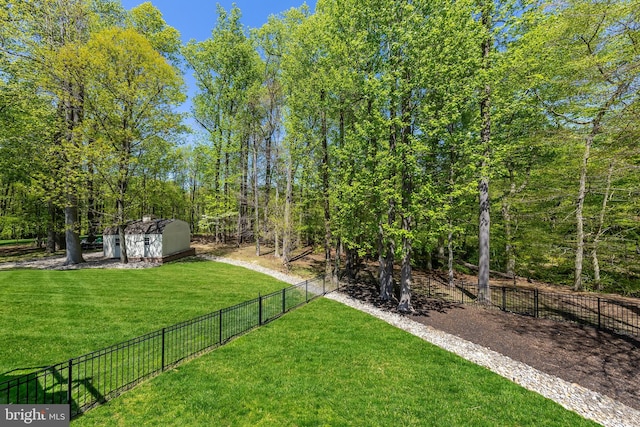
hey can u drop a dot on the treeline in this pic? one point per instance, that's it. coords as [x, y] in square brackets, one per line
[496, 135]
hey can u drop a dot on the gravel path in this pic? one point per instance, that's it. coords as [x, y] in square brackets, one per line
[591, 405]
[93, 260]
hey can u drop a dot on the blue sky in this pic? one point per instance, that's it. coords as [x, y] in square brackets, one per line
[195, 19]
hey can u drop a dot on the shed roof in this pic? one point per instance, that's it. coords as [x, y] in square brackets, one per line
[155, 226]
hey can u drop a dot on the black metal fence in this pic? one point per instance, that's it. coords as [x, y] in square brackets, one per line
[94, 378]
[619, 316]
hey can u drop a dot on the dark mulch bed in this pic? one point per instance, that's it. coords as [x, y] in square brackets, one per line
[598, 360]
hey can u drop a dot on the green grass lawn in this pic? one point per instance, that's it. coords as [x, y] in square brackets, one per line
[50, 316]
[323, 364]
[16, 241]
[329, 365]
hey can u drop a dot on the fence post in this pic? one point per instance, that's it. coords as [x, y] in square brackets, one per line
[535, 303]
[69, 383]
[284, 299]
[162, 359]
[324, 281]
[220, 326]
[259, 309]
[599, 316]
[504, 298]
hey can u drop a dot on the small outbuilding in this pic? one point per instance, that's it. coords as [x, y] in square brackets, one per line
[156, 240]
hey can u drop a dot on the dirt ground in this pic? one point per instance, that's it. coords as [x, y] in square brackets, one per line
[17, 250]
[598, 360]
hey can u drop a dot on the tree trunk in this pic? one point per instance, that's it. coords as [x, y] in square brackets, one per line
[507, 218]
[597, 280]
[429, 260]
[286, 238]
[120, 207]
[388, 284]
[577, 283]
[508, 248]
[484, 226]
[256, 225]
[124, 257]
[72, 238]
[406, 277]
[600, 232]
[225, 182]
[336, 261]
[450, 222]
[52, 227]
[193, 212]
[382, 261]
[450, 252]
[595, 130]
[276, 235]
[440, 257]
[73, 114]
[484, 291]
[267, 180]
[243, 194]
[92, 208]
[348, 266]
[325, 188]
[218, 165]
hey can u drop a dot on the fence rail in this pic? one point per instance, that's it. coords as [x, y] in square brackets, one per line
[94, 378]
[619, 316]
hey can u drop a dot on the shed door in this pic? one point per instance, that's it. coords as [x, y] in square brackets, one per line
[147, 244]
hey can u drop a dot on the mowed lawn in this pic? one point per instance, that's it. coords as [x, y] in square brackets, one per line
[325, 364]
[50, 316]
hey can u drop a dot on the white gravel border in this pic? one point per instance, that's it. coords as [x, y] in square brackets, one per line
[587, 403]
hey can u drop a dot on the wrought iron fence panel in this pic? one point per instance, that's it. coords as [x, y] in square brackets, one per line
[93, 378]
[616, 316]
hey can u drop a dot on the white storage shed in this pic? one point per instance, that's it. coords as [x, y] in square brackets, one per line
[158, 240]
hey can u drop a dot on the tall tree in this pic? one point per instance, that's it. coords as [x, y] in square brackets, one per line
[484, 232]
[43, 30]
[131, 91]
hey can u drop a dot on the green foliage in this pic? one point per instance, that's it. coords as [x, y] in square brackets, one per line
[147, 20]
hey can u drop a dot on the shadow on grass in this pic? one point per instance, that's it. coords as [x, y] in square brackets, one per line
[50, 385]
[41, 386]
